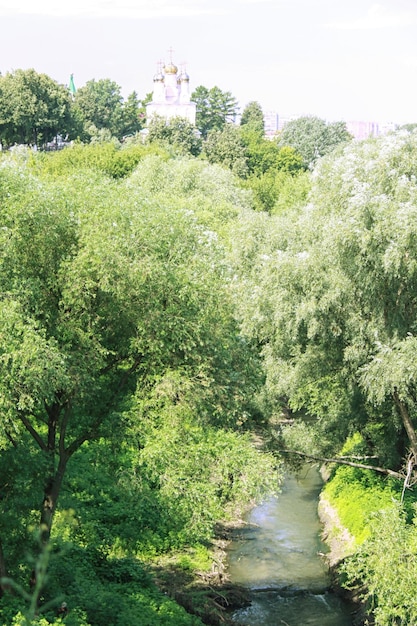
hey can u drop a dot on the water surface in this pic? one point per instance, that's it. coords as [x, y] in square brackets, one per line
[277, 556]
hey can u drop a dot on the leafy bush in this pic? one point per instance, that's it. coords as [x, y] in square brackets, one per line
[357, 495]
[113, 160]
[385, 569]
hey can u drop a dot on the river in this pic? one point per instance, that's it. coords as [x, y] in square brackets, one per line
[277, 556]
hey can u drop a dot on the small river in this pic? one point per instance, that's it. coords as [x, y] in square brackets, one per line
[277, 557]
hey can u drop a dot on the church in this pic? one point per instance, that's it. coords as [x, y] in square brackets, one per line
[171, 94]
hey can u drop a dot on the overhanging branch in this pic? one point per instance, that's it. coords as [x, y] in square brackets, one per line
[345, 461]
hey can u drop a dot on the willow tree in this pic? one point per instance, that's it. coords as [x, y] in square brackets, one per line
[333, 301]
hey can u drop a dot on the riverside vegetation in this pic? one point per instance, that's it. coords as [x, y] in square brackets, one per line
[157, 309]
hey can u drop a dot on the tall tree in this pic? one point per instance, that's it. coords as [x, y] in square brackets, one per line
[253, 116]
[226, 147]
[177, 132]
[339, 283]
[99, 298]
[215, 108]
[313, 137]
[100, 104]
[33, 108]
[133, 115]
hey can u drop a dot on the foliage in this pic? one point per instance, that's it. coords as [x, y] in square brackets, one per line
[272, 170]
[312, 137]
[357, 495]
[133, 115]
[226, 147]
[333, 298]
[209, 192]
[202, 473]
[264, 156]
[385, 569]
[214, 108]
[278, 192]
[177, 132]
[253, 117]
[99, 105]
[125, 382]
[33, 108]
[114, 160]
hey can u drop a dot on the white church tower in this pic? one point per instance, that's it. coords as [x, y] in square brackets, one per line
[171, 94]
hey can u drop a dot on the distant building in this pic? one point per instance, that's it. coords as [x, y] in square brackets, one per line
[171, 94]
[363, 130]
[271, 123]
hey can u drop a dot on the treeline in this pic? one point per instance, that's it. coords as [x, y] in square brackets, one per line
[35, 110]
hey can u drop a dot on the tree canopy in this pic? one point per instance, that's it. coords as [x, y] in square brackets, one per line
[253, 116]
[33, 108]
[312, 137]
[118, 341]
[177, 132]
[334, 302]
[215, 108]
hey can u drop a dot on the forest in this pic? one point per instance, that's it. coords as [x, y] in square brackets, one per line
[180, 319]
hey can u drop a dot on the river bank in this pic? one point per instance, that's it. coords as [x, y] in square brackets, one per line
[213, 596]
[207, 593]
[340, 544]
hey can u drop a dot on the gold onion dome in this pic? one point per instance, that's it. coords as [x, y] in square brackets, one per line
[170, 68]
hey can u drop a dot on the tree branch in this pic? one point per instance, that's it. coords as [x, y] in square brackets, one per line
[26, 423]
[344, 461]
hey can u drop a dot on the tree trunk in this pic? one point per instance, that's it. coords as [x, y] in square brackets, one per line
[50, 499]
[3, 570]
[408, 424]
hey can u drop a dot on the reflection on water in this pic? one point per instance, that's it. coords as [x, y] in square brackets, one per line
[277, 558]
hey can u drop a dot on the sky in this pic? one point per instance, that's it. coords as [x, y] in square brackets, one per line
[351, 60]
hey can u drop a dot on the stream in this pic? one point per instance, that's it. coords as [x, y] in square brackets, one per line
[277, 557]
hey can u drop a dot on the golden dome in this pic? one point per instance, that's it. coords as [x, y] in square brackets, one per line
[170, 68]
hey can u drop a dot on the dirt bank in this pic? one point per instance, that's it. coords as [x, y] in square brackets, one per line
[338, 539]
[340, 544]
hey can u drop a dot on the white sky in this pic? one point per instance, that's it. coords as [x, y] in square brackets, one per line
[350, 60]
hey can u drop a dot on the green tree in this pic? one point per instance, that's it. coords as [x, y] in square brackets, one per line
[338, 280]
[133, 115]
[215, 108]
[266, 156]
[279, 192]
[177, 132]
[103, 291]
[99, 104]
[312, 137]
[226, 147]
[253, 116]
[33, 108]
